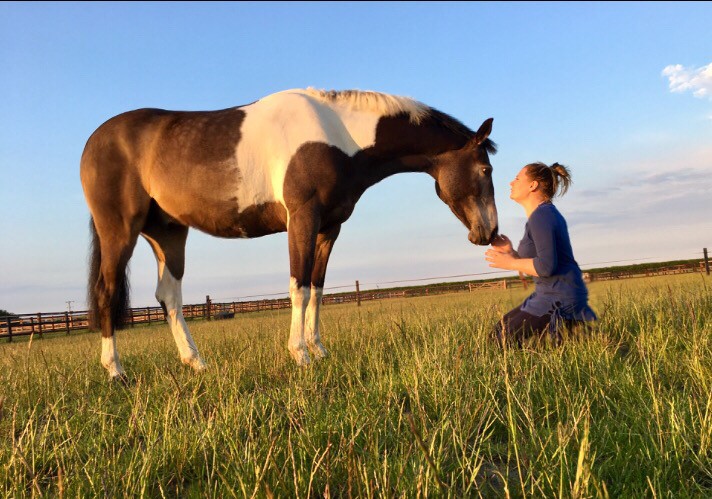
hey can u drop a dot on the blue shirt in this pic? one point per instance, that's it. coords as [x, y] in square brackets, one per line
[560, 289]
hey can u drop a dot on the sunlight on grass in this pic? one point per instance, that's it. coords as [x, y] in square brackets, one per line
[414, 400]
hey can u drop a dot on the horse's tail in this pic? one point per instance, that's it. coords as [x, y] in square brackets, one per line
[96, 285]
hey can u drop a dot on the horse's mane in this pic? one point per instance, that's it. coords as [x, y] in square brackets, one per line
[384, 104]
[390, 105]
[456, 126]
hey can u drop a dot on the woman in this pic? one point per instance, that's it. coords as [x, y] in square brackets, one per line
[561, 297]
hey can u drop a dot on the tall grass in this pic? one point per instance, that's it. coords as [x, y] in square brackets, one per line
[415, 400]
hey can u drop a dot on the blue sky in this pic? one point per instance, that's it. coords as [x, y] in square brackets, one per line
[584, 84]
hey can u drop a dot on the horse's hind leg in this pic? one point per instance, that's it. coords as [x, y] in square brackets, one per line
[324, 245]
[114, 243]
[168, 242]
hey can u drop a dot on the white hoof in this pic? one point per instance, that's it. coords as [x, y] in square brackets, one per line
[115, 371]
[300, 356]
[120, 379]
[196, 363]
[318, 351]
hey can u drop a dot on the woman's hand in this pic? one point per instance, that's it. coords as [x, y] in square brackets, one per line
[502, 244]
[500, 259]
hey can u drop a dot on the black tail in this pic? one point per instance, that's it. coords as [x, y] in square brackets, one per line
[96, 285]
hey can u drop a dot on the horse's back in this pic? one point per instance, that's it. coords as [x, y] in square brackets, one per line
[214, 169]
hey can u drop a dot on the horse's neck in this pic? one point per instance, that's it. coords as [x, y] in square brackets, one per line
[406, 148]
[376, 170]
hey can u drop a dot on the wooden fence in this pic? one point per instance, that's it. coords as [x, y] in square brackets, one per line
[66, 322]
[669, 270]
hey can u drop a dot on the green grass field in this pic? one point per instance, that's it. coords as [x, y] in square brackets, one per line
[413, 401]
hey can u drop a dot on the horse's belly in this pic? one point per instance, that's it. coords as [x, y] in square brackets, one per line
[227, 219]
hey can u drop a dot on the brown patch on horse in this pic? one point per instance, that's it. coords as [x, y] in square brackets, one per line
[261, 220]
[167, 239]
[322, 173]
[191, 170]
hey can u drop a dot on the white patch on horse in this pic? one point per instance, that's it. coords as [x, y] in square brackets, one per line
[382, 104]
[296, 345]
[110, 357]
[170, 294]
[311, 324]
[275, 127]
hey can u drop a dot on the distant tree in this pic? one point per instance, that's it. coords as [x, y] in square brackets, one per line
[4, 313]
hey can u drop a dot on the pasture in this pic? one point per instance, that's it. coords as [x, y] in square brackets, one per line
[413, 401]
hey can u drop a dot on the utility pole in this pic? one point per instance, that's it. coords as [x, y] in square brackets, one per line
[69, 315]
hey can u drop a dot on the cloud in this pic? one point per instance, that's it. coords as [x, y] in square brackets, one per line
[657, 212]
[682, 79]
[657, 192]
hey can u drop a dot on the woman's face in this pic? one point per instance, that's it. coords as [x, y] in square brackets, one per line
[521, 186]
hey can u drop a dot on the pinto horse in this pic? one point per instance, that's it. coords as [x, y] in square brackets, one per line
[295, 161]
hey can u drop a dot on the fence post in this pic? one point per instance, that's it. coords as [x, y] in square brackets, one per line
[148, 315]
[358, 295]
[207, 306]
[707, 261]
[523, 279]
[9, 328]
[66, 321]
[39, 324]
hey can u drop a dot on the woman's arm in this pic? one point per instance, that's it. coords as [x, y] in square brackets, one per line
[510, 261]
[542, 227]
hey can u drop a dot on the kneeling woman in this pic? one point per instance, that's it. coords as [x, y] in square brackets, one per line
[561, 298]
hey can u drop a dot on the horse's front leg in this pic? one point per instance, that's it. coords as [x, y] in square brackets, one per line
[324, 244]
[302, 233]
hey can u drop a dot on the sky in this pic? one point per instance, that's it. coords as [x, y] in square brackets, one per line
[621, 93]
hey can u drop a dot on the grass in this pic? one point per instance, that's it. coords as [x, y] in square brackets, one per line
[414, 401]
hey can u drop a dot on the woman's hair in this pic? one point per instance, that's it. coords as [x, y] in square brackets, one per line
[554, 180]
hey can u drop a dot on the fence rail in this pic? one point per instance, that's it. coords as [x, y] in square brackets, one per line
[41, 323]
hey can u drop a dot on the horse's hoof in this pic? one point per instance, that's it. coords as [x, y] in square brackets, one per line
[300, 356]
[120, 379]
[318, 352]
[196, 363]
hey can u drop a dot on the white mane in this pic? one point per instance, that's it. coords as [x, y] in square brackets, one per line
[383, 104]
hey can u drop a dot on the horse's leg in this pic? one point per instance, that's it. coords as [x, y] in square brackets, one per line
[109, 292]
[301, 233]
[324, 244]
[168, 243]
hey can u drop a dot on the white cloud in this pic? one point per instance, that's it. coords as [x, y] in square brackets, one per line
[682, 79]
[655, 206]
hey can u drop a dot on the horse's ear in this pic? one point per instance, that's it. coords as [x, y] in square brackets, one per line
[482, 133]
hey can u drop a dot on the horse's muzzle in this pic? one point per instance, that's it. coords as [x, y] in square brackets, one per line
[481, 237]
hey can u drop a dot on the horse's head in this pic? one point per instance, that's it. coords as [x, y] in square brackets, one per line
[463, 180]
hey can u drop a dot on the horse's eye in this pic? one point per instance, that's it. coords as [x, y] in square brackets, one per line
[487, 170]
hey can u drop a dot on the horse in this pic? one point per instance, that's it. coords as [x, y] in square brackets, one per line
[295, 161]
